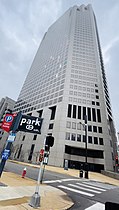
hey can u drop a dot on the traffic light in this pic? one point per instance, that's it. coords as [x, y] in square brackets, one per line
[41, 156]
[49, 142]
[116, 160]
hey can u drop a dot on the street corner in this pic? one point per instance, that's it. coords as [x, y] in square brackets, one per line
[14, 180]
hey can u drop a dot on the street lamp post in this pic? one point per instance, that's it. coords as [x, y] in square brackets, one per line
[86, 139]
[86, 154]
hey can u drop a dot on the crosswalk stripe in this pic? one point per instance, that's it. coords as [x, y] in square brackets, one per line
[77, 191]
[83, 188]
[61, 180]
[52, 181]
[95, 184]
[92, 187]
[98, 206]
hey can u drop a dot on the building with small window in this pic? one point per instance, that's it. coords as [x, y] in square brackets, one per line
[67, 82]
[5, 104]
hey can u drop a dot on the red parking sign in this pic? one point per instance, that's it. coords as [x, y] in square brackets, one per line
[7, 122]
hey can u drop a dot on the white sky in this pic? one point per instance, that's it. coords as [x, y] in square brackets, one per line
[22, 26]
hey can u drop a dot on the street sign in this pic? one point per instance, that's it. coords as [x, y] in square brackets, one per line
[45, 161]
[30, 124]
[11, 137]
[5, 154]
[7, 122]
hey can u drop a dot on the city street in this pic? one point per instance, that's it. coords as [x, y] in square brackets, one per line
[86, 194]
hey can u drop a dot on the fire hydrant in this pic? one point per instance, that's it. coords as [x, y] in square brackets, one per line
[24, 173]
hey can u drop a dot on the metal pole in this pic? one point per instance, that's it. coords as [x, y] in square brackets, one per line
[7, 149]
[86, 164]
[86, 142]
[35, 199]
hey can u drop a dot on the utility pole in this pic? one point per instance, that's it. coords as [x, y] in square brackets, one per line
[86, 142]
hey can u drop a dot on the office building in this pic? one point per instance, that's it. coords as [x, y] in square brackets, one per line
[67, 82]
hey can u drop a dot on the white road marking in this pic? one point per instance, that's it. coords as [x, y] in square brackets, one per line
[83, 188]
[92, 187]
[97, 206]
[52, 181]
[61, 180]
[98, 184]
[77, 191]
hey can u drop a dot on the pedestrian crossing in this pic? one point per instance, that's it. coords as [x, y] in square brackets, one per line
[85, 188]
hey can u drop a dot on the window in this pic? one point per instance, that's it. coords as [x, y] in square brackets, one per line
[93, 115]
[100, 129]
[98, 115]
[19, 151]
[53, 110]
[101, 141]
[79, 126]
[68, 124]
[73, 125]
[84, 112]
[89, 127]
[31, 151]
[93, 102]
[89, 114]
[78, 137]
[79, 112]
[34, 137]
[67, 136]
[90, 139]
[51, 126]
[110, 143]
[74, 111]
[73, 136]
[23, 138]
[84, 138]
[97, 103]
[96, 90]
[97, 97]
[69, 110]
[95, 129]
[40, 113]
[95, 140]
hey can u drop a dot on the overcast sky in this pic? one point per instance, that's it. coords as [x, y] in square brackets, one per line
[22, 26]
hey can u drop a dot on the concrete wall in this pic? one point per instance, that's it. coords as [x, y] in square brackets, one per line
[110, 174]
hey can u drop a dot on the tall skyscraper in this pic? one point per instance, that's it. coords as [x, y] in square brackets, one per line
[67, 82]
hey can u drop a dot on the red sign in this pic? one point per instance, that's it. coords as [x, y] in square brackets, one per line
[42, 152]
[7, 122]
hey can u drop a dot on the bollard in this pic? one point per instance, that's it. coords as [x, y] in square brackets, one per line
[81, 173]
[24, 173]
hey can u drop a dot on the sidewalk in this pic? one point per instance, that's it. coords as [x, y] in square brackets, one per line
[16, 194]
[75, 173]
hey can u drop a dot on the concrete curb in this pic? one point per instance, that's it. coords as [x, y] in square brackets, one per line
[18, 192]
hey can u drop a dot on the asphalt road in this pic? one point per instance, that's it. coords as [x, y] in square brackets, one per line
[84, 193]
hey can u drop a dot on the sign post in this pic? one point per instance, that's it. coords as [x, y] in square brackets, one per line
[6, 152]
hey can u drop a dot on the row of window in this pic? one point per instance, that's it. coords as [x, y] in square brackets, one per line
[82, 138]
[80, 101]
[79, 126]
[81, 152]
[79, 112]
[84, 95]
